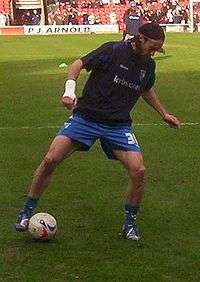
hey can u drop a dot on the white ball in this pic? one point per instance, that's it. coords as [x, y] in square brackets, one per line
[42, 226]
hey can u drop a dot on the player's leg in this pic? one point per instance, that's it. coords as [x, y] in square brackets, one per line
[133, 162]
[60, 148]
[76, 128]
[121, 144]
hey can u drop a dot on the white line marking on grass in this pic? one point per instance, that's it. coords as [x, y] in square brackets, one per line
[56, 126]
[30, 127]
[165, 124]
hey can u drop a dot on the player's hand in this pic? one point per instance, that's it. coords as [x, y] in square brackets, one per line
[172, 121]
[69, 103]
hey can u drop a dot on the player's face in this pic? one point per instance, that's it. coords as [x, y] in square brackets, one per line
[148, 47]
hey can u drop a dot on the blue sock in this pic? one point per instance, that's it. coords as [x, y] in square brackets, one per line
[31, 203]
[130, 213]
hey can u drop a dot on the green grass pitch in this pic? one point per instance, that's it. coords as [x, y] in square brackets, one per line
[86, 194]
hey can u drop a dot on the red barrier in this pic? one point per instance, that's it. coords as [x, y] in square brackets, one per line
[12, 30]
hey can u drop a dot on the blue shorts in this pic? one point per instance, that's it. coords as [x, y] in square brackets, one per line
[111, 137]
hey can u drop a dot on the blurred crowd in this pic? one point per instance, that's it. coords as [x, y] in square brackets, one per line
[64, 12]
[111, 11]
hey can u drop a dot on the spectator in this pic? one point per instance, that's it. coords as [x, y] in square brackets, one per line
[51, 6]
[72, 19]
[3, 19]
[85, 18]
[65, 18]
[58, 18]
[91, 19]
[35, 18]
[113, 18]
[26, 18]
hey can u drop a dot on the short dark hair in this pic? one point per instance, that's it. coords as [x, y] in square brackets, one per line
[153, 31]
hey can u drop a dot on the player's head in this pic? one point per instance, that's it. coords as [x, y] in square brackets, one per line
[132, 4]
[150, 39]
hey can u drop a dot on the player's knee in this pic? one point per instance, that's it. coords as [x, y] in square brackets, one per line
[137, 171]
[49, 164]
[140, 171]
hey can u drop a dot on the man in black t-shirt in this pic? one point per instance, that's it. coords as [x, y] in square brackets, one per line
[120, 73]
[132, 22]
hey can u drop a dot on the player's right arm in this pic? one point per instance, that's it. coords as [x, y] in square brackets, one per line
[98, 58]
[69, 99]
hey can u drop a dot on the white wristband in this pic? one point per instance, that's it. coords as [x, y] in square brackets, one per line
[70, 86]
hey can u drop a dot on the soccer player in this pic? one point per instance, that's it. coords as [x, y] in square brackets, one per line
[132, 22]
[121, 72]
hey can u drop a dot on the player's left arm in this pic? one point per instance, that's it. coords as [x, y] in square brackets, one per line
[151, 99]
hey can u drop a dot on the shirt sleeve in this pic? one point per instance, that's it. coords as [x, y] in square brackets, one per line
[99, 58]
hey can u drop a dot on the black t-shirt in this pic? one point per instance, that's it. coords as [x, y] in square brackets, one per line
[117, 79]
[133, 21]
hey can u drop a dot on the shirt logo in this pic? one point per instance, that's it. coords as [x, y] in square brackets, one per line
[125, 83]
[134, 17]
[123, 67]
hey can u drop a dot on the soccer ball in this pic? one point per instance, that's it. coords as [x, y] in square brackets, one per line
[42, 226]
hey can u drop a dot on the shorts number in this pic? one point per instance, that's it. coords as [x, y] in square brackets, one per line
[131, 138]
[67, 124]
